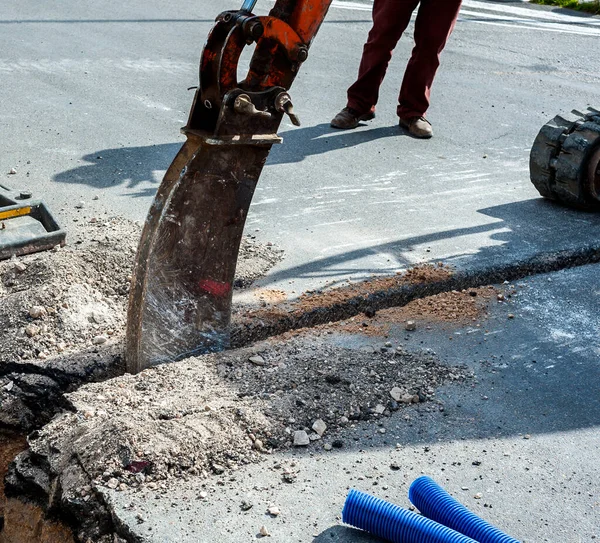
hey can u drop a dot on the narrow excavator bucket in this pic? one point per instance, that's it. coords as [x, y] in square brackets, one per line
[180, 300]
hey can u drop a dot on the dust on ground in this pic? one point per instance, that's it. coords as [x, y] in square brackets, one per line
[74, 297]
[215, 413]
[270, 296]
[421, 273]
[456, 307]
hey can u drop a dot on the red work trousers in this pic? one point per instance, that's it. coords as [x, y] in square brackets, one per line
[433, 26]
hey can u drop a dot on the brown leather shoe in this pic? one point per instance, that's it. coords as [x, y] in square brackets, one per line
[350, 118]
[419, 127]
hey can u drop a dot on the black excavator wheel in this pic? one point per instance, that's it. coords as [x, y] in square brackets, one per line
[565, 160]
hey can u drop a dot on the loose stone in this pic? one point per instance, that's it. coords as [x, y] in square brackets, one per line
[218, 469]
[19, 267]
[32, 330]
[319, 427]
[37, 312]
[301, 438]
[396, 394]
[274, 511]
[257, 360]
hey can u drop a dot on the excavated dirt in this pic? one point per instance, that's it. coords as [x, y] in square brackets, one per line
[277, 315]
[422, 273]
[456, 307]
[10, 446]
[67, 299]
[218, 412]
[26, 522]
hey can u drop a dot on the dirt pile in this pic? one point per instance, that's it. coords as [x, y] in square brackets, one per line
[457, 307]
[215, 413]
[60, 301]
[422, 273]
[75, 297]
[62, 316]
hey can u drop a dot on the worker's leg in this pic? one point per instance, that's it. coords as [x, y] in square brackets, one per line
[390, 19]
[433, 26]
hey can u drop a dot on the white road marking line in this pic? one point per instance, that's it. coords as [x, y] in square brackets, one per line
[341, 4]
[532, 13]
[529, 23]
[529, 19]
[577, 31]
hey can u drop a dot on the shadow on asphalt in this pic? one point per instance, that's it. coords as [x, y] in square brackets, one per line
[321, 139]
[535, 374]
[128, 166]
[524, 229]
[132, 166]
[342, 534]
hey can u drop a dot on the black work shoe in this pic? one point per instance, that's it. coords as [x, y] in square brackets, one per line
[419, 127]
[350, 118]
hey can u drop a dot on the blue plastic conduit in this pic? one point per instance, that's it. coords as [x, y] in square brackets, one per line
[393, 523]
[435, 503]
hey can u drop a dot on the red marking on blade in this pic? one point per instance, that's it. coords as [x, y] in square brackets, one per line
[214, 288]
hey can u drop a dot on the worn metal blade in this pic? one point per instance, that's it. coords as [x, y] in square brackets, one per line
[180, 302]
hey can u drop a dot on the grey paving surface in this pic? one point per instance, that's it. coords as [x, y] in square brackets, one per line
[531, 420]
[93, 98]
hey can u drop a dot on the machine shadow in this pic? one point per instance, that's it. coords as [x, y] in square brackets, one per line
[524, 229]
[144, 165]
[129, 166]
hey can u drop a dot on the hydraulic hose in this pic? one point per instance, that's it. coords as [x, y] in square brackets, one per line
[435, 503]
[248, 5]
[393, 523]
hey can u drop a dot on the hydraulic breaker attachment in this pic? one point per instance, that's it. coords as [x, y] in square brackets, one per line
[180, 300]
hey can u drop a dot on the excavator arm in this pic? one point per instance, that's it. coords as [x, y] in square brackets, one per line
[180, 299]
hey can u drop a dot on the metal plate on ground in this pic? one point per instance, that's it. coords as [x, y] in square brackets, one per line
[26, 225]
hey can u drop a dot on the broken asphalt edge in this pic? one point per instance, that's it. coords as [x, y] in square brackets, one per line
[259, 329]
[42, 388]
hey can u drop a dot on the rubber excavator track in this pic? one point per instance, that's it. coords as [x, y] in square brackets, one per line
[565, 160]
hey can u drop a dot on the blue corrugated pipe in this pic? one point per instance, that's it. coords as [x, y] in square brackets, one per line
[435, 503]
[393, 523]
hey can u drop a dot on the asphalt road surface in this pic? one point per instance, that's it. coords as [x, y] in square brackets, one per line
[93, 97]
